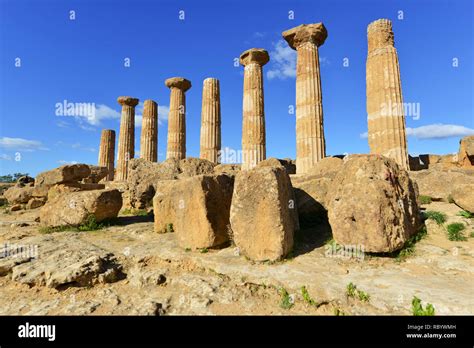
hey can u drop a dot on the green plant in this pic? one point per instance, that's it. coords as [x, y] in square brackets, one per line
[203, 250]
[90, 224]
[418, 310]
[472, 234]
[466, 214]
[455, 231]
[425, 199]
[306, 297]
[450, 199]
[286, 301]
[187, 250]
[338, 312]
[437, 216]
[169, 228]
[352, 291]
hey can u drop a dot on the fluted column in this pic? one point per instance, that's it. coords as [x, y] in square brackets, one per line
[210, 121]
[386, 119]
[126, 143]
[149, 137]
[177, 117]
[253, 122]
[310, 141]
[107, 152]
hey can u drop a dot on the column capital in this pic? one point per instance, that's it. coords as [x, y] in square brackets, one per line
[130, 101]
[150, 102]
[178, 82]
[315, 33]
[254, 55]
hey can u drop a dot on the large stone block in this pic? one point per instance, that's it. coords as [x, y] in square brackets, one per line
[262, 214]
[66, 173]
[197, 207]
[463, 196]
[74, 208]
[372, 202]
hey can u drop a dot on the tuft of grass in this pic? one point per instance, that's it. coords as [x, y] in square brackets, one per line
[437, 216]
[352, 291]
[455, 231]
[286, 301]
[418, 310]
[450, 199]
[187, 250]
[203, 250]
[409, 247]
[90, 224]
[338, 312]
[425, 199]
[307, 298]
[135, 212]
[472, 234]
[466, 214]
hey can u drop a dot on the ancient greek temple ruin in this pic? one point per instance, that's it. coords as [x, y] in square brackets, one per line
[386, 120]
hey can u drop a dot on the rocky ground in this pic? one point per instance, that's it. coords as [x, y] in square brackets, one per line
[129, 269]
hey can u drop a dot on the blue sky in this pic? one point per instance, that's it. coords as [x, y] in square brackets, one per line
[46, 58]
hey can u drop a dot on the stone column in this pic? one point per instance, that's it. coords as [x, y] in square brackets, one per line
[253, 121]
[126, 143]
[386, 120]
[177, 117]
[149, 137]
[211, 121]
[310, 142]
[107, 152]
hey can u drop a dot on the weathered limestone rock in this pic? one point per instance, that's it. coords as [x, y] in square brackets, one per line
[144, 175]
[19, 194]
[177, 117]
[126, 143]
[386, 119]
[34, 203]
[311, 190]
[97, 174]
[198, 209]
[262, 221]
[25, 179]
[74, 208]
[231, 169]
[253, 121]
[64, 261]
[310, 141]
[463, 197]
[440, 184]
[60, 189]
[372, 203]
[211, 121]
[63, 174]
[466, 151]
[149, 137]
[107, 152]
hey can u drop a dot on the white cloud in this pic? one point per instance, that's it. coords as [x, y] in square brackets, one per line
[283, 61]
[102, 112]
[67, 162]
[5, 157]
[21, 144]
[436, 131]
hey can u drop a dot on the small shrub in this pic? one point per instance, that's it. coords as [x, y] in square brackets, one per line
[169, 228]
[352, 291]
[472, 234]
[306, 297]
[455, 231]
[338, 312]
[203, 250]
[286, 300]
[466, 214]
[90, 224]
[450, 199]
[418, 310]
[437, 216]
[187, 250]
[425, 199]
